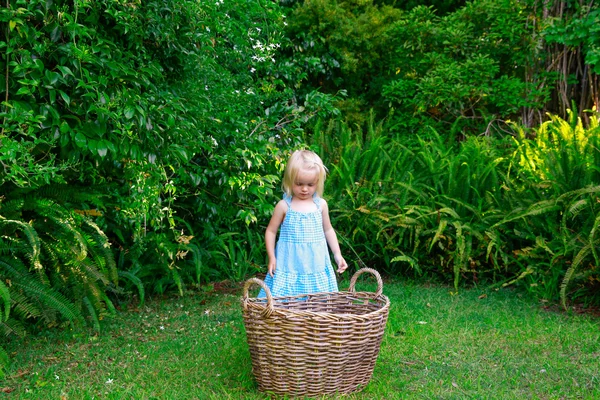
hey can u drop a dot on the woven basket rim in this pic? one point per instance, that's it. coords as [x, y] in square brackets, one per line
[262, 304]
[263, 309]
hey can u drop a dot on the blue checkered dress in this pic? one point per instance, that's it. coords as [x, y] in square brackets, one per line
[303, 261]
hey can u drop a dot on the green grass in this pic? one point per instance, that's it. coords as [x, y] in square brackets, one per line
[437, 344]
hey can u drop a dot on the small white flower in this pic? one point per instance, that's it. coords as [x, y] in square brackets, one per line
[206, 312]
[162, 328]
[543, 371]
[56, 377]
[421, 322]
[253, 70]
[109, 381]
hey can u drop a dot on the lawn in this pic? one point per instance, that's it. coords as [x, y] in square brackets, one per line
[479, 343]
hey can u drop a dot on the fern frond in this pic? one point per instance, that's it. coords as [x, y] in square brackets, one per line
[574, 193]
[50, 298]
[575, 208]
[63, 227]
[196, 260]
[476, 213]
[592, 238]
[22, 306]
[583, 253]
[91, 271]
[539, 208]
[460, 253]
[70, 194]
[177, 279]
[449, 211]
[12, 327]
[11, 209]
[438, 233]
[13, 267]
[137, 282]
[96, 297]
[92, 312]
[32, 237]
[103, 246]
[410, 260]
[4, 300]
[109, 304]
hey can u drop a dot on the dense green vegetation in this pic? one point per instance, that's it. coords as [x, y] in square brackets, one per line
[142, 144]
[494, 211]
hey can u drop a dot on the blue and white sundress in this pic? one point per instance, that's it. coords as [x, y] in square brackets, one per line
[303, 261]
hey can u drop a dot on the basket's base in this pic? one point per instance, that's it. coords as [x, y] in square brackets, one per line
[310, 388]
[304, 379]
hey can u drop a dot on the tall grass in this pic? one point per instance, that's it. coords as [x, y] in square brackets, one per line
[502, 211]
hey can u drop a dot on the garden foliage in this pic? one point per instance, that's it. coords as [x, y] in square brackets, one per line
[484, 211]
[138, 139]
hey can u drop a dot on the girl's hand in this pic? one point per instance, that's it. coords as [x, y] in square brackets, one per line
[272, 266]
[341, 263]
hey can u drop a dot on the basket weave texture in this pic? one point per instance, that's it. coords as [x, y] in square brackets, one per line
[315, 344]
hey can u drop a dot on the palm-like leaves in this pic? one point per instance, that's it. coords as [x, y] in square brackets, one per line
[510, 211]
[55, 265]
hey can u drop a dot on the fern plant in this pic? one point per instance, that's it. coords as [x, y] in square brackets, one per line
[56, 264]
[418, 206]
[580, 225]
[555, 213]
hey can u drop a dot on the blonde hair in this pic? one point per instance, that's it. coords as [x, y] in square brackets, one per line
[303, 160]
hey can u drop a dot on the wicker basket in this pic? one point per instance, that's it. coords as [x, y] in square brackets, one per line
[315, 344]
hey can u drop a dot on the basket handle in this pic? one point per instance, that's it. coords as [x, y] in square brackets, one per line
[374, 273]
[270, 308]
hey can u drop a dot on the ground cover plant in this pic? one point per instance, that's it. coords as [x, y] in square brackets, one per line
[478, 343]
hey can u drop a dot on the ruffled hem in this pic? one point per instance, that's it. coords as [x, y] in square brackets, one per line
[285, 284]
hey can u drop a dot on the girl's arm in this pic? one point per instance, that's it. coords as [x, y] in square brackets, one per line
[332, 240]
[271, 233]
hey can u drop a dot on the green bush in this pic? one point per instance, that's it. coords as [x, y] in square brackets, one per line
[168, 119]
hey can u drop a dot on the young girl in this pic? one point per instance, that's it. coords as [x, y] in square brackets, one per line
[300, 262]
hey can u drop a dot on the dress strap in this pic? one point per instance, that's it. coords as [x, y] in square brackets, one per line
[288, 200]
[317, 201]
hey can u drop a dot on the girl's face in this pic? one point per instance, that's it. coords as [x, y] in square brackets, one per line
[305, 184]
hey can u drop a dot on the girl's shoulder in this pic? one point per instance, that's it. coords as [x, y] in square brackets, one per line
[280, 202]
[281, 205]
